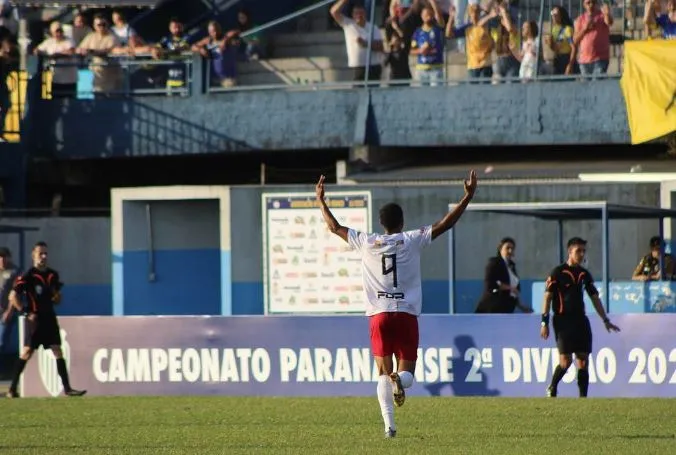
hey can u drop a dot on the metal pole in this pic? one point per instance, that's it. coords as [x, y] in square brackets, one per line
[372, 15]
[559, 237]
[539, 38]
[451, 271]
[661, 234]
[606, 269]
[151, 247]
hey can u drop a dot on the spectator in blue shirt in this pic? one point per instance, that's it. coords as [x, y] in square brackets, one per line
[428, 45]
[666, 22]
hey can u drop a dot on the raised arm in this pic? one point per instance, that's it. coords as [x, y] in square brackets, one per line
[452, 217]
[331, 222]
[337, 11]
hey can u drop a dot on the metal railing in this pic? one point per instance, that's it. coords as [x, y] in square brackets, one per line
[116, 75]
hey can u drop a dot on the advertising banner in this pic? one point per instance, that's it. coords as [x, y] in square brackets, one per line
[461, 355]
[307, 269]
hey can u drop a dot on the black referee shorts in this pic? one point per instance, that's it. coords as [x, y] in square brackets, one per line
[42, 332]
[573, 334]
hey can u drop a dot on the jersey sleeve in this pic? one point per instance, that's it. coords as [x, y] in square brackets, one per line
[551, 284]
[356, 239]
[55, 281]
[421, 237]
[589, 285]
[21, 284]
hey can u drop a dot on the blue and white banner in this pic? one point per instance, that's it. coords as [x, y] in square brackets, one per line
[483, 355]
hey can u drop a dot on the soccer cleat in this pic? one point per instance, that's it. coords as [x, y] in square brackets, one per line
[75, 393]
[390, 433]
[399, 393]
[551, 392]
[11, 394]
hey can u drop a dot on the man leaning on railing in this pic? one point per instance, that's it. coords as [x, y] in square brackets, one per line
[171, 48]
[60, 51]
[98, 45]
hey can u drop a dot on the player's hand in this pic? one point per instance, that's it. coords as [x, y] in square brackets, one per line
[470, 185]
[5, 316]
[605, 9]
[319, 189]
[57, 297]
[610, 327]
[544, 332]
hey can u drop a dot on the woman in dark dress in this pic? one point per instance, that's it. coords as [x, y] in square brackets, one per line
[501, 282]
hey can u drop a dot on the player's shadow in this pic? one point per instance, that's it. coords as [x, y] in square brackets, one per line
[461, 368]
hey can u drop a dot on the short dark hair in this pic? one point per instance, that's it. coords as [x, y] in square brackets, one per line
[175, 19]
[503, 241]
[40, 244]
[656, 242]
[391, 216]
[577, 241]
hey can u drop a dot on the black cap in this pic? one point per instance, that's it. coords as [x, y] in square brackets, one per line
[4, 252]
[576, 241]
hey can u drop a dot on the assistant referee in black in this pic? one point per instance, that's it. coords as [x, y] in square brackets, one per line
[40, 287]
[564, 296]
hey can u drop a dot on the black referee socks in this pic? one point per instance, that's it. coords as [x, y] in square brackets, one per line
[583, 381]
[63, 372]
[18, 369]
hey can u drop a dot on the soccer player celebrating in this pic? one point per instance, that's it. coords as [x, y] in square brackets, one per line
[564, 294]
[391, 276]
[42, 288]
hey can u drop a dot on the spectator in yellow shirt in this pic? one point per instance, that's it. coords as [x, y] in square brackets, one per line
[560, 41]
[478, 38]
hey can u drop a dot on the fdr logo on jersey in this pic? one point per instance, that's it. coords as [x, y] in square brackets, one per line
[47, 367]
[391, 295]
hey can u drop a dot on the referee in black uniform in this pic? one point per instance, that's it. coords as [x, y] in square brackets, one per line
[564, 295]
[41, 288]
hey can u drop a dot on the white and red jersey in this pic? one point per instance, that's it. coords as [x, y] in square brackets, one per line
[391, 269]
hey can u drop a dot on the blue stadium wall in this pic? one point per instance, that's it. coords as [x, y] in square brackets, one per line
[187, 257]
[505, 114]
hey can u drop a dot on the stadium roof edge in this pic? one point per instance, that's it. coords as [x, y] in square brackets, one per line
[86, 3]
[579, 210]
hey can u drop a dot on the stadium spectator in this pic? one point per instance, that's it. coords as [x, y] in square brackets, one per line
[60, 51]
[79, 30]
[221, 50]
[251, 47]
[126, 35]
[9, 57]
[171, 48]
[9, 17]
[592, 38]
[8, 275]
[560, 41]
[357, 31]
[662, 23]
[98, 45]
[397, 59]
[404, 19]
[506, 38]
[528, 56]
[501, 282]
[428, 45]
[478, 38]
[648, 269]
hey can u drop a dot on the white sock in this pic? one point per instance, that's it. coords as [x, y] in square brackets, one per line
[406, 379]
[386, 401]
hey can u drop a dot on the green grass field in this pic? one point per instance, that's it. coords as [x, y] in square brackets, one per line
[224, 425]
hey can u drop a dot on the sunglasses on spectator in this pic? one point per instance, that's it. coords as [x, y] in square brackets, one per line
[100, 24]
[58, 30]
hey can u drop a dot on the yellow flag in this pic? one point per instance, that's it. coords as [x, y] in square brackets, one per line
[649, 86]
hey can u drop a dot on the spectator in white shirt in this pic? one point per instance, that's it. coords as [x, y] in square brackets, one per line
[357, 31]
[126, 35]
[60, 50]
